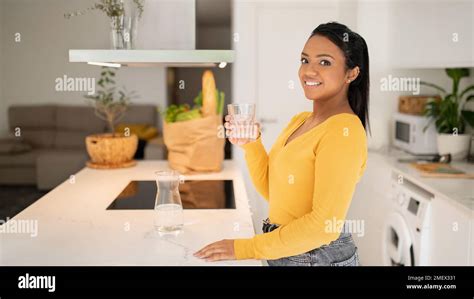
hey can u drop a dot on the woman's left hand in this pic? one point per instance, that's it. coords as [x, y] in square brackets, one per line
[221, 250]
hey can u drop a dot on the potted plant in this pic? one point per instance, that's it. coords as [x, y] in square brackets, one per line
[111, 150]
[123, 20]
[450, 116]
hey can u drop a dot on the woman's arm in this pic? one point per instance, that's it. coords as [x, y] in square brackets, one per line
[339, 160]
[257, 163]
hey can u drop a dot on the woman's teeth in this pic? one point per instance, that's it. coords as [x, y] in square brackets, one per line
[309, 83]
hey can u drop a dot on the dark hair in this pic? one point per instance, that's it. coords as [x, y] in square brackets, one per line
[356, 53]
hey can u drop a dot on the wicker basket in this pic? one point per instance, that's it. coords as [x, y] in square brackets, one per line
[108, 149]
[414, 104]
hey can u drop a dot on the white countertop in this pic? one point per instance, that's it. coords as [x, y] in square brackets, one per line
[74, 227]
[459, 191]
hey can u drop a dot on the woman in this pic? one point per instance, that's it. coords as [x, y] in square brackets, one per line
[311, 172]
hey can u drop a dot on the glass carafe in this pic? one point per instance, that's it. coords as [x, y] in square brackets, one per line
[168, 206]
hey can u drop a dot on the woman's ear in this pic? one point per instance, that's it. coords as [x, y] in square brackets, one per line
[352, 74]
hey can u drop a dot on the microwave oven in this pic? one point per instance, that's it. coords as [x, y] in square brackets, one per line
[408, 134]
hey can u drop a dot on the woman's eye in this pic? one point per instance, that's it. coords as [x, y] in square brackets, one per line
[304, 60]
[325, 62]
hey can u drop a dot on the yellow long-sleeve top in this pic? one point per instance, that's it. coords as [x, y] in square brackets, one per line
[308, 183]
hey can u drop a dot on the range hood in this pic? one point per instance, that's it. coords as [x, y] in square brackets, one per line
[146, 58]
[158, 45]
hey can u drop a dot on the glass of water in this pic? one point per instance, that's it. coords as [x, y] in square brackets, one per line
[168, 206]
[243, 122]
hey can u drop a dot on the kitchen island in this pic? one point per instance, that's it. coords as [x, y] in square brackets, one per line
[75, 228]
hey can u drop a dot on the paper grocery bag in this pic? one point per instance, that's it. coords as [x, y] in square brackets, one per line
[195, 145]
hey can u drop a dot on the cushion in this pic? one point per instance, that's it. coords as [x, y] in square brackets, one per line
[30, 158]
[74, 123]
[70, 140]
[39, 138]
[32, 117]
[12, 146]
[27, 159]
[79, 118]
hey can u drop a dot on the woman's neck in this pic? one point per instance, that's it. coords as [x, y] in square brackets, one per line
[325, 108]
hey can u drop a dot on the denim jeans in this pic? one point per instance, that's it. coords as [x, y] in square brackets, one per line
[341, 252]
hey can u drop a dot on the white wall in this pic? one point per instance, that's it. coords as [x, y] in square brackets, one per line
[375, 26]
[168, 24]
[244, 78]
[29, 68]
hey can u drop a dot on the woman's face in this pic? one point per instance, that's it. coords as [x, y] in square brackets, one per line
[323, 73]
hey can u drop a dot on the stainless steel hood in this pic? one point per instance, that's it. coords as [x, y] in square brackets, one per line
[166, 37]
[147, 58]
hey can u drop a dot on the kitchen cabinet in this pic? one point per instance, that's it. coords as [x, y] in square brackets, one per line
[451, 224]
[450, 234]
[369, 204]
[444, 39]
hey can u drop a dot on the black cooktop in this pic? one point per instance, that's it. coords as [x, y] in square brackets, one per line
[195, 194]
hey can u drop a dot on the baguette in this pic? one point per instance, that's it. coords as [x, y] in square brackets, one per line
[209, 100]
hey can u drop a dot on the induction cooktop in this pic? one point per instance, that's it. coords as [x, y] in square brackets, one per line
[195, 194]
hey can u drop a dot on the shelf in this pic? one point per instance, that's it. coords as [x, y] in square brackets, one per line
[147, 58]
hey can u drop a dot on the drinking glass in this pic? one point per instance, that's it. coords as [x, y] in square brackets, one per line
[243, 121]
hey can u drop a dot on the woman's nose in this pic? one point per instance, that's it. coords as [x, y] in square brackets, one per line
[311, 71]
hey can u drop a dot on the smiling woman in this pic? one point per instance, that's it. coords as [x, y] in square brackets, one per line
[311, 172]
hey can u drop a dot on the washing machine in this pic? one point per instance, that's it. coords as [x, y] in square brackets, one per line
[405, 240]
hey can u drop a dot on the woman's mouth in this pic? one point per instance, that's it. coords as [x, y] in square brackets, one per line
[312, 83]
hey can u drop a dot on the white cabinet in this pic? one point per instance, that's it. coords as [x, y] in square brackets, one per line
[451, 226]
[431, 34]
[369, 205]
[451, 236]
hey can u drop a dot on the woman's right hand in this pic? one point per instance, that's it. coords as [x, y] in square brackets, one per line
[230, 126]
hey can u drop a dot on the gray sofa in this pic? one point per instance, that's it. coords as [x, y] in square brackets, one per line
[57, 134]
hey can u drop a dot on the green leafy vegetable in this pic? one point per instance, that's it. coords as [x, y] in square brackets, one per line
[220, 101]
[184, 112]
[198, 99]
[188, 115]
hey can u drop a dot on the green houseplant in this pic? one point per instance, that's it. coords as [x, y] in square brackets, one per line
[110, 104]
[450, 115]
[111, 150]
